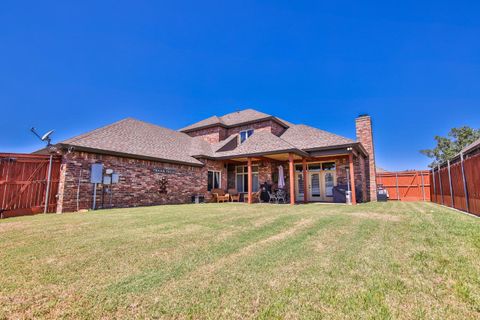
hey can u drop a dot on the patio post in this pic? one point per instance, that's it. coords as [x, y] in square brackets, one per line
[304, 167]
[291, 178]
[352, 179]
[250, 182]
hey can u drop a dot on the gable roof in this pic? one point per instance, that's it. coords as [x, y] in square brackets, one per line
[260, 142]
[306, 138]
[137, 138]
[233, 119]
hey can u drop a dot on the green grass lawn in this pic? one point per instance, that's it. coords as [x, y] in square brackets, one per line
[378, 260]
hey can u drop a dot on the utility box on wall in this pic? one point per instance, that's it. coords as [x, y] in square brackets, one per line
[96, 173]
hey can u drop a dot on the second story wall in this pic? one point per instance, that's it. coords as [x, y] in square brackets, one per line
[211, 135]
[216, 134]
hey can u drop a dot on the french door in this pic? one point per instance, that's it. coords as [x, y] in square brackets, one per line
[315, 186]
[320, 185]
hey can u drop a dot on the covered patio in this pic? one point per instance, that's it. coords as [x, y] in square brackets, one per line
[307, 178]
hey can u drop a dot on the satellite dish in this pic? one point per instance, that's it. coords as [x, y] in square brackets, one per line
[46, 136]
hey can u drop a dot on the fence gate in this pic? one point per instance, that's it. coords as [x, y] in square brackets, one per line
[23, 184]
[406, 185]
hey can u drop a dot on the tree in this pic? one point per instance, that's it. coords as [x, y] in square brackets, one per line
[448, 147]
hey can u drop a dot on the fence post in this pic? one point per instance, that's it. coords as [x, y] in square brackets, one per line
[396, 180]
[434, 186]
[49, 176]
[450, 184]
[440, 183]
[464, 182]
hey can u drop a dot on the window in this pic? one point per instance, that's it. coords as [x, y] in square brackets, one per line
[314, 167]
[242, 179]
[214, 180]
[245, 134]
[328, 166]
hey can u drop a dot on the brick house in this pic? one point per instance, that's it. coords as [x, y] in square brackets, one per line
[241, 150]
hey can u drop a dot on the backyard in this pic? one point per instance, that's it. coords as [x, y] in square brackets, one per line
[377, 260]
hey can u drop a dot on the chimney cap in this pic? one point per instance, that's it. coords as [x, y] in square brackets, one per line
[362, 115]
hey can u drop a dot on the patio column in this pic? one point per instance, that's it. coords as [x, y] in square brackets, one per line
[291, 178]
[250, 180]
[352, 179]
[305, 192]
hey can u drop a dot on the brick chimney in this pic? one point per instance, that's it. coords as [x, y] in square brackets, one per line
[363, 126]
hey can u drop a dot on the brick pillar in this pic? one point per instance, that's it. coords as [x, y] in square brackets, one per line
[363, 126]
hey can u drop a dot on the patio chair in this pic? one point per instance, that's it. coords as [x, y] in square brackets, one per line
[234, 195]
[255, 196]
[220, 196]
[272, 197]
[281, 195]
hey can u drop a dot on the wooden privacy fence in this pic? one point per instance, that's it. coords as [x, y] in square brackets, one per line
[406, 185]
[23, 184]
[457, 183]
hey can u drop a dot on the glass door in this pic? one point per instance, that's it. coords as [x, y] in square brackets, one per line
[328, 184]
[299, 186]
[315, 194]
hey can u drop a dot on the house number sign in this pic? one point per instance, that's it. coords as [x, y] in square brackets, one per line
[164, 170]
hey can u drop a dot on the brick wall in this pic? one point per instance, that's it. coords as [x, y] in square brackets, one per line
[267, 125]
[365, 137]
[216, 134]
[211, 135]
[138, 186]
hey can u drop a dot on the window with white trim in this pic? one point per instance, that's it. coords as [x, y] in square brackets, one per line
[245, 134]
[214, 180]
[242, 178]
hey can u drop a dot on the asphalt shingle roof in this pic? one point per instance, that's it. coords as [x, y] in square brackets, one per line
[131, 136]
[306, 137]
[260, 142]
[141, 139]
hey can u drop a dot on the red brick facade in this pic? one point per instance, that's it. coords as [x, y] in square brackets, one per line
[218, 133]
[139, 185]
[211, 135]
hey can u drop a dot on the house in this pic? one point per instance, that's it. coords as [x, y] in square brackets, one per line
[240, 150]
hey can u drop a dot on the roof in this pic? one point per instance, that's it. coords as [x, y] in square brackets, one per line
[138, 138]
[234, 119]
[261, 142]
[307, 138]
[471, 146]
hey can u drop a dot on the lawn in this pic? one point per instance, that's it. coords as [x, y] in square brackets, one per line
[379, 260]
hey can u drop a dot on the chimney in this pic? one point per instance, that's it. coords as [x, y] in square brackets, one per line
[363, 126]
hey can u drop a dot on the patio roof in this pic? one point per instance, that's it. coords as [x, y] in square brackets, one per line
[262, 143]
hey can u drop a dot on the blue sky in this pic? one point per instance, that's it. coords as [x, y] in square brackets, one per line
[73, 66]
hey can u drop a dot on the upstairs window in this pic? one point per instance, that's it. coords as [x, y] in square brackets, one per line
[245, 134]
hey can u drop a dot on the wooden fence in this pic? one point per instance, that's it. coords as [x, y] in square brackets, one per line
[23, 184]
[406, 185]
[457, 183]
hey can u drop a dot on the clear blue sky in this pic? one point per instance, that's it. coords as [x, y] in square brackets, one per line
[72, 66]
